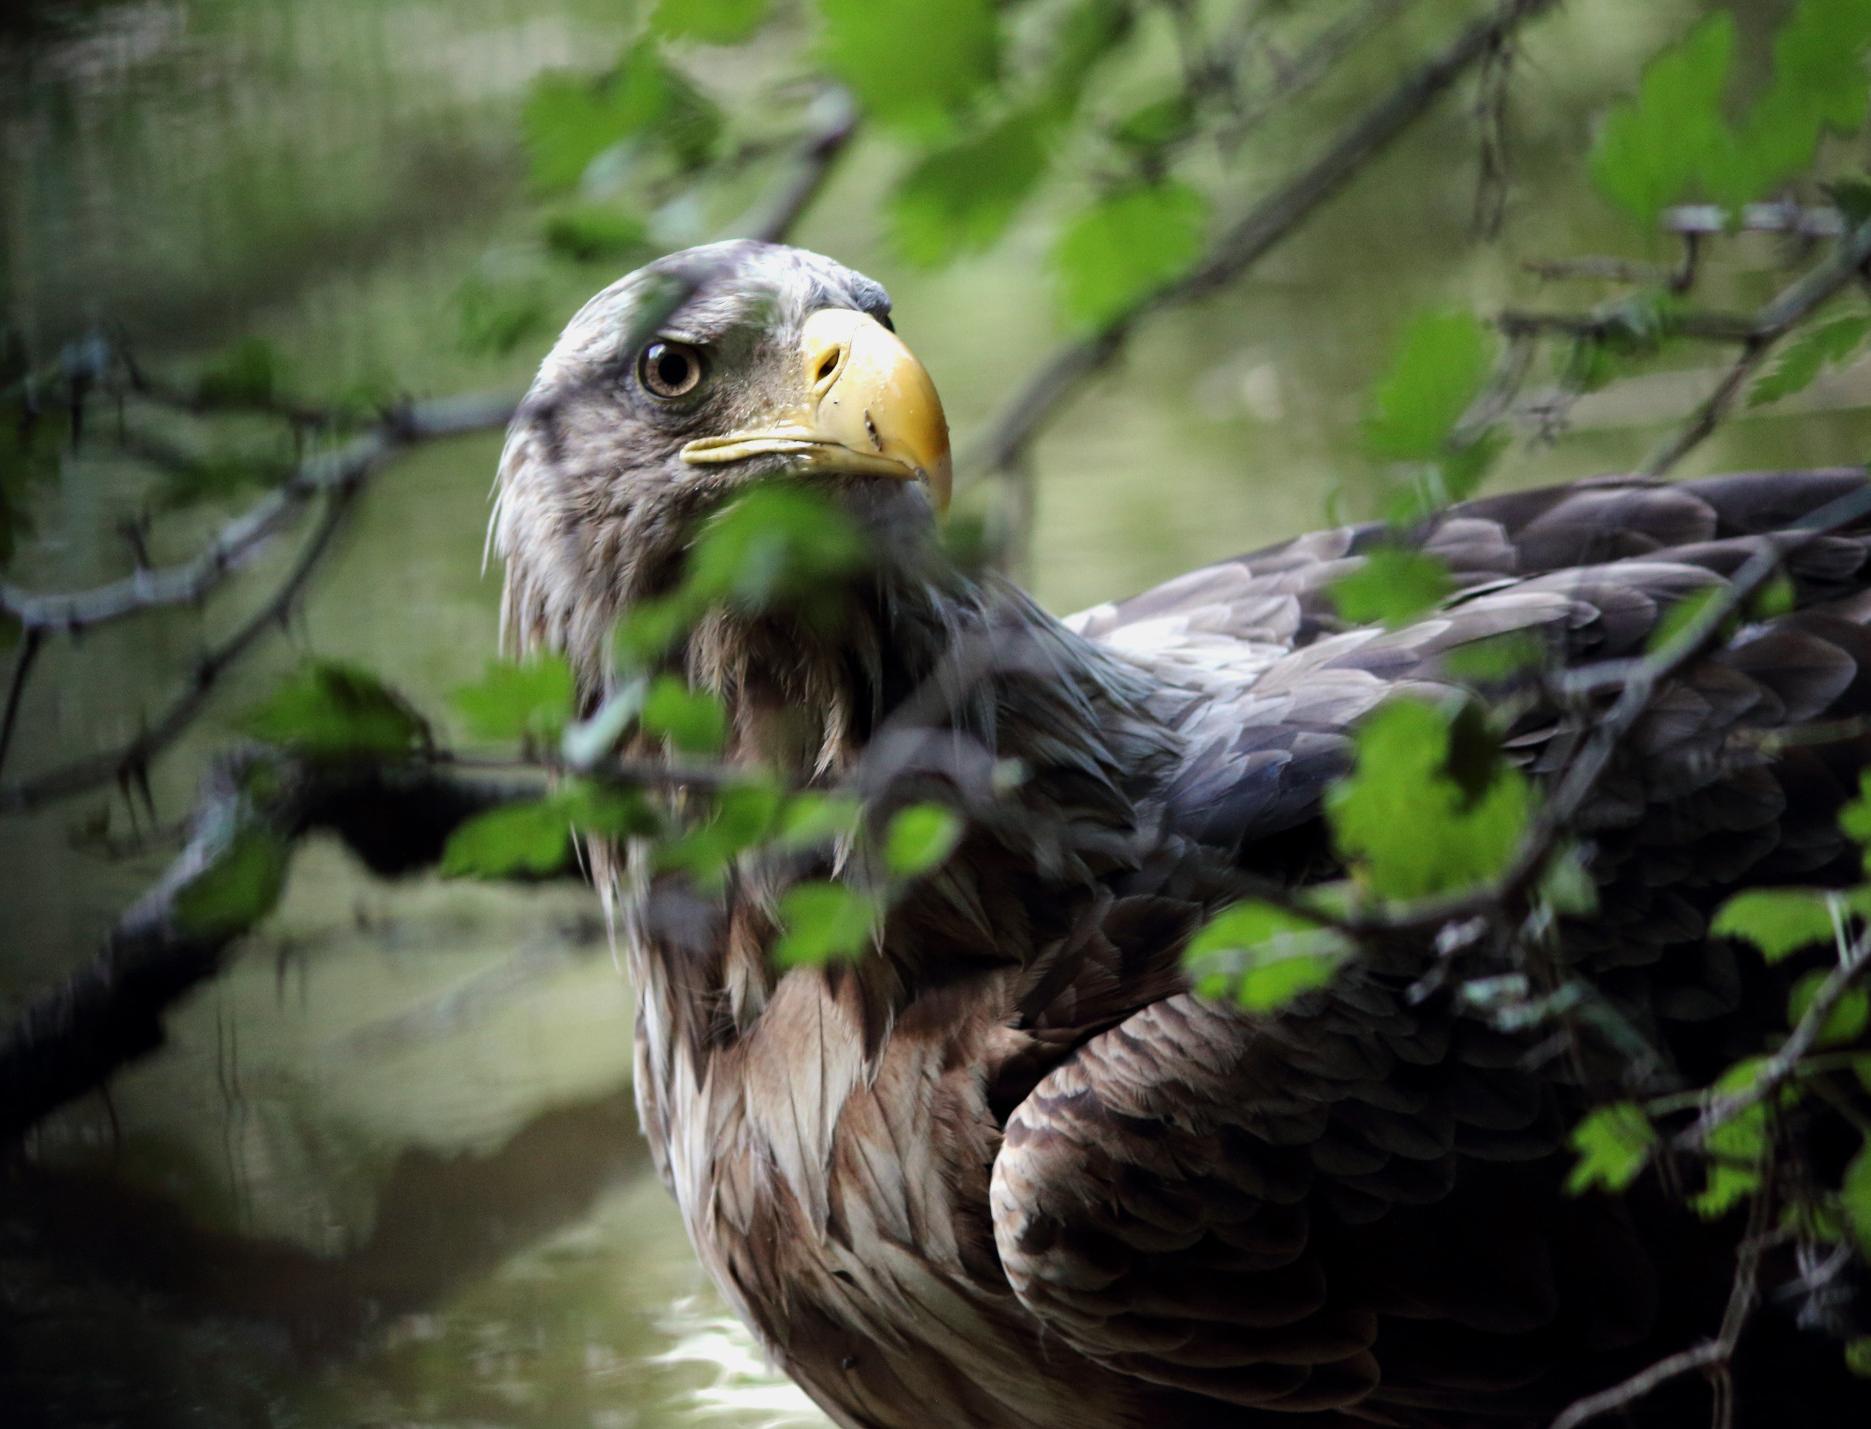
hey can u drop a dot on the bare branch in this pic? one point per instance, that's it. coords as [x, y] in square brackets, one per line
[131, 758]
[1773, 322]
[1787, 1063]
[818, 155]
[1791, 218]
[1637, 681]
[69, 612]
[69, 1040]
[1003, 451]
[23, 659]
[1712, 1355]
[1612, 321]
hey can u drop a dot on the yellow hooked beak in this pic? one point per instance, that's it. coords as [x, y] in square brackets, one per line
[868, 409]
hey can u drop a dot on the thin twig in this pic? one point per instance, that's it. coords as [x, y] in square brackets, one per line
[1615, 321]
[23, 659]
[818, 155]
[1003, 451]
[190, 581]
[1787, 1062]
[134, 755]
[1713, 1355]
[1774, 321]
[1312, 64]
[1637, 682]
[1711, 219]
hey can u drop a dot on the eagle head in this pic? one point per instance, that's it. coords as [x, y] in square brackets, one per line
[675, 388]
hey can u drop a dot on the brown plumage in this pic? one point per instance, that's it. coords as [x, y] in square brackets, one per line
[1008, 1170]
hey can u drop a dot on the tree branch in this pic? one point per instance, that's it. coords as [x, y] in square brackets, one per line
[71, 612]
[1003, 451]
[818, 155]
[1786, 1063]
[1637, 682]
[71, 1039]
[1793, 304]
[132, 757]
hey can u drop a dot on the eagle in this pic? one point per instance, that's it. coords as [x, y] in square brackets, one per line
[1009, 1168]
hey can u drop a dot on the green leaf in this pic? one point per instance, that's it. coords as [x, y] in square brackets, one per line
[248, 373]
[518, 701]
[569, 120]
[589, 232]
[1852, 194]
[1160, 123]
[1085, 35]
[1127, 246]
[1653, 147]
[694, 721]
[713, 22]
[1739, 1144]
[238, 887]
[1567, 886]
[1438, 371]
[743, 816]
[1614, 1145]
[650, 627]
[1858, 1356]
[328, 710]
[1681, 617]
[534, 839]
[1261, 957]
[906, 66]
[1819, 83]
[961, 197]
[920, 839]
[1498, 657]
[1393, 586]
[495, 317]
[1824, 345]
[1855, 817]
[811, 818]
[1847, 1020]
[775, 544]
[1464, 463]
[1778, 921]
[1855, 1197]
[1429, 807]
[823, 921]
[1778, 597]
[518, 840]
[608, 811]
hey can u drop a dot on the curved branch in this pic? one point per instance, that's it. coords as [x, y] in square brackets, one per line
[70, 612]
[131, 757]
[818, 155]
[1790, 306]
[1004, 449]
[71, 1039]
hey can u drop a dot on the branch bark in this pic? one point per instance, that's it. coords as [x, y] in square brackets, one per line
[70, 1040]
[190, 581]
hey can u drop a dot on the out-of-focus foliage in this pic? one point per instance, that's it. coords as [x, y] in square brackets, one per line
[335, 711]
[988, 115]
[1420, 768]
[1676, 139]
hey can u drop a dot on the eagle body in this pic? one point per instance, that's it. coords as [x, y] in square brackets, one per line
[1009, 1169]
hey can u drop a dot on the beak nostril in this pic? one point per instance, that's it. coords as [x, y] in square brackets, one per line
[827, 365]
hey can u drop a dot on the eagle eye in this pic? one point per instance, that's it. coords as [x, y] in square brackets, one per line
[670, 369]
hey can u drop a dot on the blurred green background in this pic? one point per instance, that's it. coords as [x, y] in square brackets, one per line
[386, 1171]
